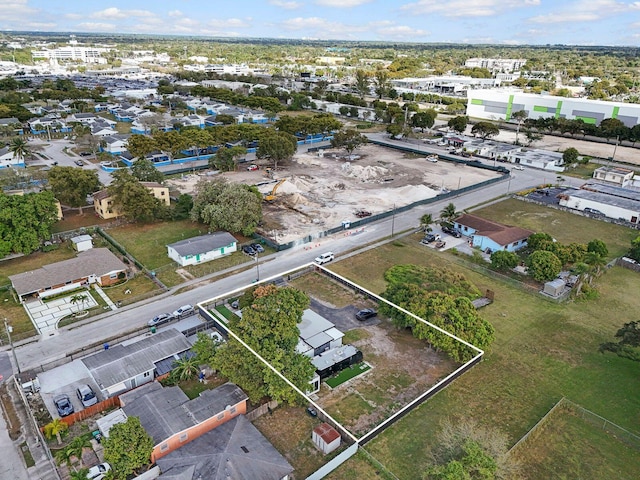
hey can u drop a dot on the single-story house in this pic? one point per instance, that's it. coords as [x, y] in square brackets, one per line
[201, 249]
[172, 420]
[124, 367]
[610, 201]
[103, 202]
[97, 265]
[317, 334]
[7, 159]
[235, 449]
[115, 144]
[84, 118]
[486, 234]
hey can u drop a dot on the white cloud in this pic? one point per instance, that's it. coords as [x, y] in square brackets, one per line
[17, 10]
[342, 3]
[114, 13]
[228, 23]
[287, 5]
[401, 32]
[96, 26]
[466, 8]
[175, 13]
[585, 11]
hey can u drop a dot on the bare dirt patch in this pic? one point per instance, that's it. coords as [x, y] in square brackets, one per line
[403, 368]
[326, 188]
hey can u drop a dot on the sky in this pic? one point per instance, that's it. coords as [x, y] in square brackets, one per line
[510, 22]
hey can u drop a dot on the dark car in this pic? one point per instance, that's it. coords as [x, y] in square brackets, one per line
[312, 412]
[366, 314]
[431, 237]
[160, 319]
[63, 404]
[257, 247]
[451, 231]
[249, 250]
[85, 154]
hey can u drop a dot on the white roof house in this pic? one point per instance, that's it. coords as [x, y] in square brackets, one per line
[204, 248]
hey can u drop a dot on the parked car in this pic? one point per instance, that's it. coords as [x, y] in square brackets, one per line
[366, 314]
[431, 237]
[86, 395]
[98, 472]
[63, 404]
[518, 167]
[252, 167]
[451, 231]
[324, 258]
[249, 250]
[312, 412]
[441, 244]
[257, 247]
[79, 162]
[160, 319]
[592, 211]
[432, 158]
[85, 154]
[184, 311]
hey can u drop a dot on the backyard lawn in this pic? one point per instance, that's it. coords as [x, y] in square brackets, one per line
[542, 351]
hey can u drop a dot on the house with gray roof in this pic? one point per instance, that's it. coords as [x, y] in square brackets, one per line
[173, 421]
[235, 450]
[204, 248]
[97, 265]
[127, 366]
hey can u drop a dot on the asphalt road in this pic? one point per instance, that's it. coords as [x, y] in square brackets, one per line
[126, 319]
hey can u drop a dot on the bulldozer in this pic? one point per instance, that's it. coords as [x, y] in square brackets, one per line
[270, 197]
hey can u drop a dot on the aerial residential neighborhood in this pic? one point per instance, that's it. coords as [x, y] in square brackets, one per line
[306, 240]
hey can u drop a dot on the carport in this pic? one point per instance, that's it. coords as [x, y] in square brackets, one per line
[64, 380]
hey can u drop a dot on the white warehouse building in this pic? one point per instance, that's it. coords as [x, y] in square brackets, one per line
[501, 104]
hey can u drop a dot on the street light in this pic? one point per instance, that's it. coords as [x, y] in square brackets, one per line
[9, 329]
[257, 266]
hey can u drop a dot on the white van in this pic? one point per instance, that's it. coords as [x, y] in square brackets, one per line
[324, 258]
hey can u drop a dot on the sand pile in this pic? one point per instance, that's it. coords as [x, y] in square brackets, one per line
[365, 173]
[302, 184]
[285, 188]
[306, 159]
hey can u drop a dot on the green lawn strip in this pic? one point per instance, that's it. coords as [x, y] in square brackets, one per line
[582, 171]
[140, 285]
[347, 374]
[542, 351]
[569, 444]
[17, 317]
[222, 263]
[26, 453]
[226, 313]
[563, 226]
[148, 243]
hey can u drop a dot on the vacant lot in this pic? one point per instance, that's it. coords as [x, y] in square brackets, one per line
[563, 226]
[542, 352]
[567, 443]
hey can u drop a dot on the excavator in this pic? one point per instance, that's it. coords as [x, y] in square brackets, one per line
[270, 197]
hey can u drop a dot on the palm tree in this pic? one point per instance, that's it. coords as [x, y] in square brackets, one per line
[78, 298]
[595, 262]
[57, 427]
[449, 213]
[80, 474]
[77, 445]
[425, 221]
[186, 368]
[20, 148]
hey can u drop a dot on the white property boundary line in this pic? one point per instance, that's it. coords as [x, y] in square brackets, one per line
[404, 410]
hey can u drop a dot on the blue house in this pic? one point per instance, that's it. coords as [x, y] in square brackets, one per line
[493, 236]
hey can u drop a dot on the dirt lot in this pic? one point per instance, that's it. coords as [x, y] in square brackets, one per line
[403, 368]
[322, 190]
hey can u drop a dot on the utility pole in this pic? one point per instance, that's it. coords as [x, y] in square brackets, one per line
[393, 220]
[257, 266]
[9, 329]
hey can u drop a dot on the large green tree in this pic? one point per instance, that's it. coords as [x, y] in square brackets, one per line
[628, 344]
[424, 119]
[349, 139]
[381, 82]
[141, 145]
[276, 146]
[128, 448]
[222, 205]
[543, 265]
[25, 221]
[459, 123]
[362, 83]
[440, 303]
[485, 130]
[226, 159]
[269, 325]
[634, 251]
[504, 260]
[71, 185]
[134, 200]
[570, 156]
[144, 170]
[449, 213]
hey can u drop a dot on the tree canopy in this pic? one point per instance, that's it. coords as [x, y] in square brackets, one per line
[144, 170]
[71, 185]
[222, 205]
[628, 345]
[134, 200]
[459, 123]
[25, 221]
[543, 265]
[349, 139]
[128, 448]
[424, 119]
[277, 146]
[485, 130]
[269, 325]
[442, 298]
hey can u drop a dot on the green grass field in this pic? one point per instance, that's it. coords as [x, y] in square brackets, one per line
[542, 351]
[347, 374]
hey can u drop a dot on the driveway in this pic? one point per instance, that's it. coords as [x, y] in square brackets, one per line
[343, 318]
[46, 315]
[65, 379]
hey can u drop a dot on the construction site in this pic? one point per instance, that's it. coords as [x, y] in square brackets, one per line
[317, 191]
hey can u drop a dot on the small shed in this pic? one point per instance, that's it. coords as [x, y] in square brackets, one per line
[82, 243]
[326, 438]
[554, 288]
